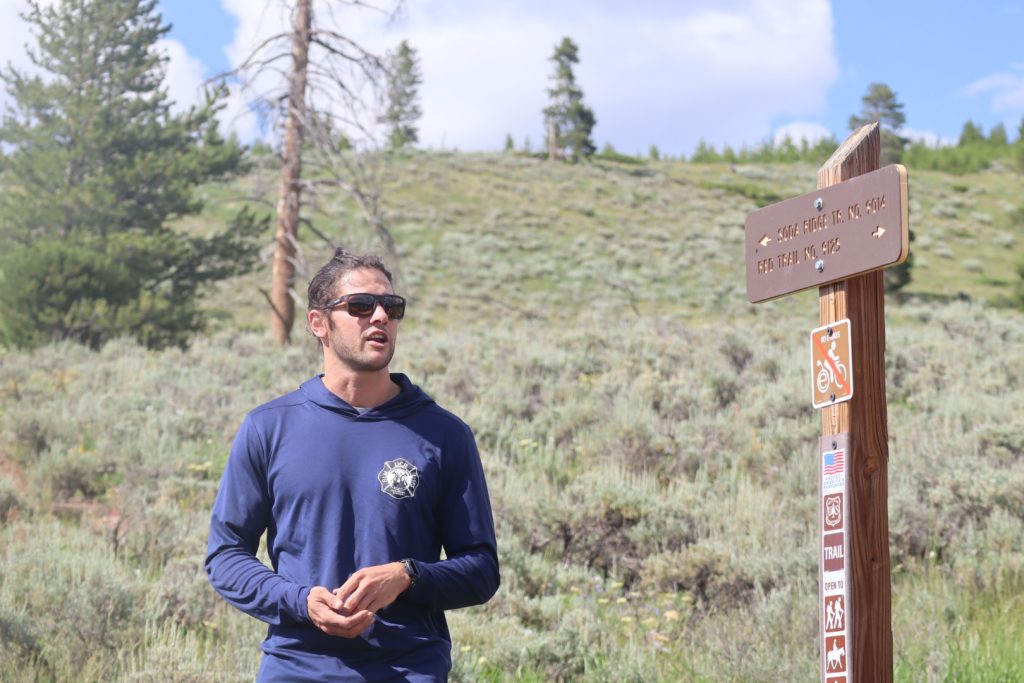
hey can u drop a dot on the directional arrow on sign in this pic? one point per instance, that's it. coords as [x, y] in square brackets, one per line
[784, 240]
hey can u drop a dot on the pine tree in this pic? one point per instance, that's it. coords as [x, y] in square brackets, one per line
[403, 111]
[705, 153]
[997, 137]
[971, 134]
[1018, 147]
[97, 165]
[880, 104]
[570, 121]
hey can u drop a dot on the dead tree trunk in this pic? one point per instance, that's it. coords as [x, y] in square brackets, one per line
[286, 240]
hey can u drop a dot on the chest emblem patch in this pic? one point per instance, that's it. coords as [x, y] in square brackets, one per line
[399, 478]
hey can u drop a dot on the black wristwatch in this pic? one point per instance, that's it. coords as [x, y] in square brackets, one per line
[413, 570]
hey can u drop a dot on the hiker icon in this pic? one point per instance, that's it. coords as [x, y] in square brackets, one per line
[834, 615]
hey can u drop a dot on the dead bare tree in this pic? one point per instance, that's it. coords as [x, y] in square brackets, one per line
[357, 170]
[325, 106]
[289, 189]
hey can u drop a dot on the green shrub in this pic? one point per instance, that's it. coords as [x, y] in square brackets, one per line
[1018, 294]
[88, 290]
[9, 500]
[95, 614]
[972, 157]
[77, 474]
[53, 289]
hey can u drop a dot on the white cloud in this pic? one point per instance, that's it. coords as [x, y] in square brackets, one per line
[1007, 89]
[797, 131]
[929, 138]
[721, 75]
[14, 35]
[256, 21]
[262, 32]
[482, 81]
[653, 72]
[184, 78]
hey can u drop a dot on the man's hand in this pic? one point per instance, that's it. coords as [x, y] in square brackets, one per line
[327, 614]
[371, 589]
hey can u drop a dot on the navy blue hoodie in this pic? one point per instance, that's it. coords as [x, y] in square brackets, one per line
[337, 490]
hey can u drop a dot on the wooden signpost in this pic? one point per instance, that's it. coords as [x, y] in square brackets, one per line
[829, 235]
[803, 243]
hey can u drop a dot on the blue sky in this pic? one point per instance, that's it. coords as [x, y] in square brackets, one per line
[204, 28]
[948, 60]
[655, 72]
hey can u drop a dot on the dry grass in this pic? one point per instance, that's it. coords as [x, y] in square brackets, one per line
[647, 436]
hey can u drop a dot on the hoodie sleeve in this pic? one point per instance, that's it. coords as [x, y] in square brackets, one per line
[469, 573]
[241, 513]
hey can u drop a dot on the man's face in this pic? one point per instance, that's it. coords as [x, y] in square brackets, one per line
[361, 344]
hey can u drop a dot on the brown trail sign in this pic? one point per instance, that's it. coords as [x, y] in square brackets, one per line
[855, 592]
[828, 235]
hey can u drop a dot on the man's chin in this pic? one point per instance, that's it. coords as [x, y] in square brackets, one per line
[372, 364]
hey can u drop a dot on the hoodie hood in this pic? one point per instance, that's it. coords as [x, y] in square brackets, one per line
[410, 399]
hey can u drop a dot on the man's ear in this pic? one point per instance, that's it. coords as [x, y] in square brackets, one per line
[318, 323]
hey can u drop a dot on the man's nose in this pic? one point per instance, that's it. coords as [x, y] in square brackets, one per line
[379, 314]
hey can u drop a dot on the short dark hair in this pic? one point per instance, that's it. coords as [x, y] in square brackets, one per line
[322, 286]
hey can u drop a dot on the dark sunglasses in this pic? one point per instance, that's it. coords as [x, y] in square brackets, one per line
[363, 305]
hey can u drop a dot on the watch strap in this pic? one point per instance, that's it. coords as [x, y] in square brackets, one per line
[413, 570]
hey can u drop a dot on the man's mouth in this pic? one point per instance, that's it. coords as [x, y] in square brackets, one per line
[377, 338]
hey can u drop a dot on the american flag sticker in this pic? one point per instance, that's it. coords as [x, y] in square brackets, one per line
[833, 462]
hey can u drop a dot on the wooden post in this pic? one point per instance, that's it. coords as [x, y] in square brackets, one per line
[838, 238]
[864, 420]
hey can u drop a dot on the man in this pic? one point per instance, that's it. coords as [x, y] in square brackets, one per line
[359, 480]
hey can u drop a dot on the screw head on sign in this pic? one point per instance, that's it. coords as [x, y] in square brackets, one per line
[832, 397]
[819, 204]
[819, 266]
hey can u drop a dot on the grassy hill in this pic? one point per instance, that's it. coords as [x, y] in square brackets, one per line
[669, 234]
[647, 434]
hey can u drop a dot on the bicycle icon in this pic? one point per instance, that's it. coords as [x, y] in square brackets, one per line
[831, 374]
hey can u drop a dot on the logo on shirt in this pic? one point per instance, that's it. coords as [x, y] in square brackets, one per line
[399, 478]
